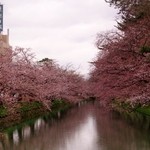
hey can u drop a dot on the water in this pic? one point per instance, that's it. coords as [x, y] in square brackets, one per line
[87, 127]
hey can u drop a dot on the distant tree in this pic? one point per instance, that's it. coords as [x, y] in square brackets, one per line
[48, 61]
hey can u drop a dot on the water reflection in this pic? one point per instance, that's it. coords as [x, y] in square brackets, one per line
[15, 137]
[83, 128]
[118, 134]
[38, 124]
[84, 138]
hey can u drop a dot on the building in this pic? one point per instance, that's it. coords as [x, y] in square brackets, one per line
[4, 39]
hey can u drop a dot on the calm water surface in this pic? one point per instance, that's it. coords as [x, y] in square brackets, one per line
[83, 128]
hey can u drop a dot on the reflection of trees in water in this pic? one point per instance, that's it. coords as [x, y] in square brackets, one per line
[50, 134]
[19, 135]
[4, 141]
[117, 134]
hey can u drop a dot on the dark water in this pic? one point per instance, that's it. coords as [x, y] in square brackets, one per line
[83, 128]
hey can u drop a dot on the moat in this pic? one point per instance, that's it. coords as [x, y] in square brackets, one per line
[87, 127]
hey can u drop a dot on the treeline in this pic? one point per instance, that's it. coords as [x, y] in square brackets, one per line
[121, 69]
[24, 79]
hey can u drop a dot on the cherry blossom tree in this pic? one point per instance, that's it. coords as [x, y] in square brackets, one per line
[24, 79]
[122, 67]
[131, 11]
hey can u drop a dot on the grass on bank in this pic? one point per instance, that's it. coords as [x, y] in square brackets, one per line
[28, 106]
[3, 111]
[136, 115]
[28, 112]
[144, 110]
[25, 107]
[126, 107]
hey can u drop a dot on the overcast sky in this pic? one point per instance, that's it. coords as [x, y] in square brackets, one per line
[63, 30]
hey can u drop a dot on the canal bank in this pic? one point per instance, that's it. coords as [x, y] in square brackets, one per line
[134, 114]
[28, 112]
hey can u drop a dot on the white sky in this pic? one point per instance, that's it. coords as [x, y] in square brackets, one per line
[63, 30]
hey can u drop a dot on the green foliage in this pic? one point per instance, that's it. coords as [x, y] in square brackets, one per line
[28, 106]
[128, 108]
[3, 111]
[19, 126]
[145, 49]
[30, 111]
[144, 110]
[59, 104]
[125, 106]
[32, 108]
[46, 60]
